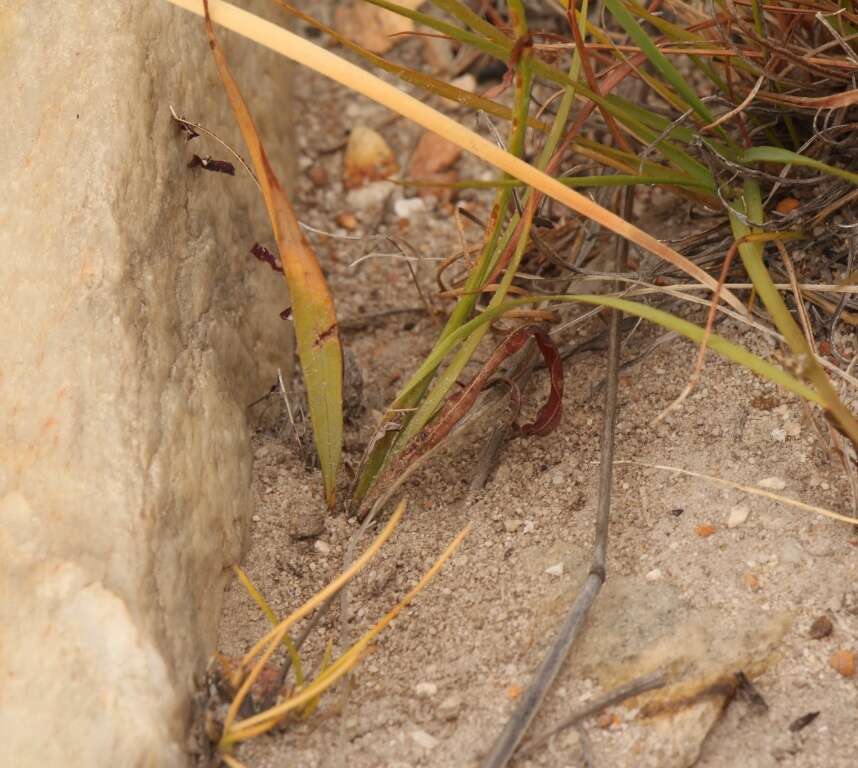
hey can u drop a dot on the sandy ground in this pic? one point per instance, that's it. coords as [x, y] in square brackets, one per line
[685, 592]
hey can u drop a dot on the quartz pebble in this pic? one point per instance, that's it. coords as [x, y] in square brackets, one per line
[555, 570]
[406, 207]
[425, 690]
[322, 547]
[449, 708]
[424, 739]
[772, 483]
[738, 515]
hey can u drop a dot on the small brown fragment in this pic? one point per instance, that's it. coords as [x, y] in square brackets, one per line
[374, 28]
[821, 627]
[787, 205]
[608, 720]
[751, 582]
[318, 175]
[705, 530]
[802, 722]
[433, 155]
[210, 164]
[513, 691]
[843, 661]
[348, 221]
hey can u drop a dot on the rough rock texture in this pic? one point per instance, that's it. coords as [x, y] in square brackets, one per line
[136, 329]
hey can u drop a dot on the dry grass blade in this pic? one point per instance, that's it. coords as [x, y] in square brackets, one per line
[264, 721]
[330, 65]
[312, 304]
[785, 500]
[273, 638]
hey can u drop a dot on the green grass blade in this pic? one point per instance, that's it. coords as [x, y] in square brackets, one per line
[464, 14]
[657, 58]
[786, 157]
[718, 344]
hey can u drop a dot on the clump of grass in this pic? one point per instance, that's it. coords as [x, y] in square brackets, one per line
[764, 140]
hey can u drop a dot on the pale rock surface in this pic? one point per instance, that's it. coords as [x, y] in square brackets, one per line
[136, 329]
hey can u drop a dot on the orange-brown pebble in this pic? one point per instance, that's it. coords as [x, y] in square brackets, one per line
[347, 221]
[843, 661]
[751, 582]
[705, 530]
[787, 205]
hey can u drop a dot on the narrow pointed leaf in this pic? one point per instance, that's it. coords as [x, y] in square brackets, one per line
[312, 304]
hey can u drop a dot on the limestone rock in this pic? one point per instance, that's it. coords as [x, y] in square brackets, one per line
[136, 329]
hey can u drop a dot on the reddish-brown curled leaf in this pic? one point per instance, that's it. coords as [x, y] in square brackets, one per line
[550, 414]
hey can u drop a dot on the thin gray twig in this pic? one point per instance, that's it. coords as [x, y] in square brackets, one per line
[512, 734]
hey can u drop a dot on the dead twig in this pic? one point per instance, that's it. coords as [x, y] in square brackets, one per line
[512, 734]
[617, 696]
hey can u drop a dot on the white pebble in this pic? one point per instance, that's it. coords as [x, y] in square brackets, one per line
[425, 690]
[423, 739]
[406, 207]
[449, 708]
[466, 82]
[511, 525]
[322, 547]
[654, 575]
[772, 483]
[528, 526]
[738, 515]
[779, 435]
[555, 570]
[256, 518]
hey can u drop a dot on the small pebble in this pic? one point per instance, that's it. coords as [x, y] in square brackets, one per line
[528, 526]
[843, 661]
[423, 739]
[406, 207]
[738, 515]
[322, 547]
[705, 530]
[511, 525]
[654, 575]
[791, 552]
[306, 523]
[555, 570]
[751, 582]
[318, 175]
[779, 435]
[425, 690]
[348, 221]
[792, 429]
[821, 627]
[466, 82]
[772, 483]
[256, 518]
[449, 708]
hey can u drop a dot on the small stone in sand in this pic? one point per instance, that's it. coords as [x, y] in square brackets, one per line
[821, 627]
[738, 515]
